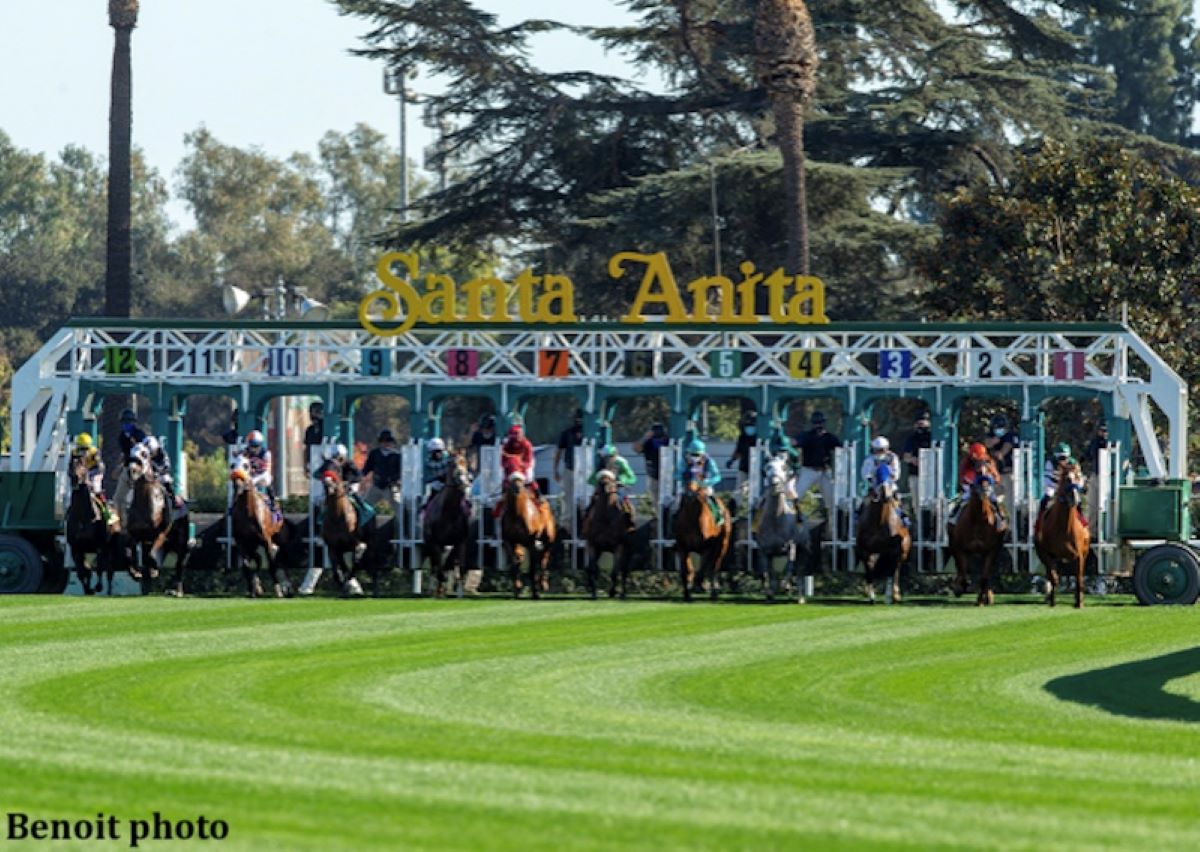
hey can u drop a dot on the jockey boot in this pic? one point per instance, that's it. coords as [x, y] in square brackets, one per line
[310, 581]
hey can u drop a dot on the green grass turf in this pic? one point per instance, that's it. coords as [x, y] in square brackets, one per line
[323, 724]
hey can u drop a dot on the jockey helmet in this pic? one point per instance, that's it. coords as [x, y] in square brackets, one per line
[386, 436]
[514, 431]
[83, 441]
[879, 444]
[127, 416]
[436, 445]
[818, 418]
[340, 452]
[1062, 452]
[977, 452]
[152, 445]
[695, 447]
[608, 451]
[255, 438]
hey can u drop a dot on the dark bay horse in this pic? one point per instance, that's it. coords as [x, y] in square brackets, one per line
[779, 531]
[155, 528]
[342, 533]
[1061, 538]
[606, 529]
[527, 526]
[882, 541]
[976, 533]
[255, 529]
[445, 527]
[87, 532]
[697, 531]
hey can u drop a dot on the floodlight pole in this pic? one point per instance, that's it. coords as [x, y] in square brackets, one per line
[394, 84]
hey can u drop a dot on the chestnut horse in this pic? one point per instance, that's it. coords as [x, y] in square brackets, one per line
[606, 528]
[976, 533]
[697, 531]
[1061, 538]
[882, 541]
[446, 525]
[342, 534]
[527, 525]
[256, 528]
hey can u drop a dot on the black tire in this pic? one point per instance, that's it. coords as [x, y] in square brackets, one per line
[21, 568]
[1168, 574]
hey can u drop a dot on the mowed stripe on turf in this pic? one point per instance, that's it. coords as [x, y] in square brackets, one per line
[321, 724]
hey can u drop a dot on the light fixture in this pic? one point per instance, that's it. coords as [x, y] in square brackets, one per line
[312, 310]
[234, 299]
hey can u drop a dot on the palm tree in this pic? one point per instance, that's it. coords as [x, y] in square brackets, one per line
[786, 61]
[118, 287]
[118, 295]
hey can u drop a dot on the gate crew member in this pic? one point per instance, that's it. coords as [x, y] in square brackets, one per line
[314, 435]
[746, 443]
[1001, 441]
[131, 435]
[383, 465]
[568, 440]
[816, 454]
[650, 448]
[484, 436]
[920, 439]
[1099, 442]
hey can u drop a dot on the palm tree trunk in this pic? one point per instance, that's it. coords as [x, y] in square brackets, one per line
[118, 295]
[789, 129]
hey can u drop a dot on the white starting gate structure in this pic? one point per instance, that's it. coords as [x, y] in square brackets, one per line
[58, 392]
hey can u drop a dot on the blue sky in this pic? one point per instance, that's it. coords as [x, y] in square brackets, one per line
[275, 74]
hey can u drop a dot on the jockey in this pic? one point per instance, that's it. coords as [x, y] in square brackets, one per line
[977, 462]
[161, 465]
[783, 459]
[338, 462]
[1060, 454]
[437, 465]
[881, 453]
[130, 437]
[700, 468]
[85, 450]
[614, 463]
[516, 456]
[258, 459]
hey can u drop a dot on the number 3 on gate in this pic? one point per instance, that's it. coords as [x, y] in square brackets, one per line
[804, 364]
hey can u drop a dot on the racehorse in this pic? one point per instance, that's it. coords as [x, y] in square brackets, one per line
[976, 533]
[882, 541]
[1062, 538]
[780, 531]
[527, 526]
[87, 533]
[155, 526]
[256, 527]
[445, 527]
[606, 529]
[342, 533]
[697, 531]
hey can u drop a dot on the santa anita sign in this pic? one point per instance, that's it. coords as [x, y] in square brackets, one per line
[550, 299]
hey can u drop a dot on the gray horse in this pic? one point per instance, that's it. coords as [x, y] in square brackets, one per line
[780, 530]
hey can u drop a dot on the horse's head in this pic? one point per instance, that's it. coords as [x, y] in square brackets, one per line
[239, 474]
[885, 486]
[79, 471]
[332, 483]
[606, 482]
[983, 484]
[139, 464]
[1070, 484]
[458, 475]
[516, 480]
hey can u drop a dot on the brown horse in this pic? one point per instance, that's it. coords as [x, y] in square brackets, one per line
[882, 541]
[527, 525]
[87, 532]
[1062, 538]
[697, 531]
[256, 528]
[446, 525]
[342, 533]
[976, 533]
[606, 528]
[155, 527]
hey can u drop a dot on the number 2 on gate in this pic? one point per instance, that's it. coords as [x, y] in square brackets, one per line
[804, 364]
[462, 363]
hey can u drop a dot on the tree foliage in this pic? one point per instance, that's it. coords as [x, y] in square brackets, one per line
[1081, 232]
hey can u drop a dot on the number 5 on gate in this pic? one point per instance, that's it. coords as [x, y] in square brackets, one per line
[804, 364]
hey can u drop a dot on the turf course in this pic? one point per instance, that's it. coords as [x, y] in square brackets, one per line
[324, 724]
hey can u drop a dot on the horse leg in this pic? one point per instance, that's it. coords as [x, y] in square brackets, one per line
[592, 571]
[79, 557]
[621, 565]
[687, 573]
[1080, 565]
[1051, 580]
[511, 553]
[768, 575]
[961, 580]
[986, 598]
[896, 579]
[537, 570]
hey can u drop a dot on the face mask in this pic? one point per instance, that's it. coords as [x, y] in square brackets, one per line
[751, 431]
[127, 428]
[999, 433]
